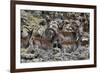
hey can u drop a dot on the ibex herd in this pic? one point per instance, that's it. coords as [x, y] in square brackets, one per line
[52, 37]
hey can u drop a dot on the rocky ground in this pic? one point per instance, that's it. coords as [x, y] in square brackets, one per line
[54, 54]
